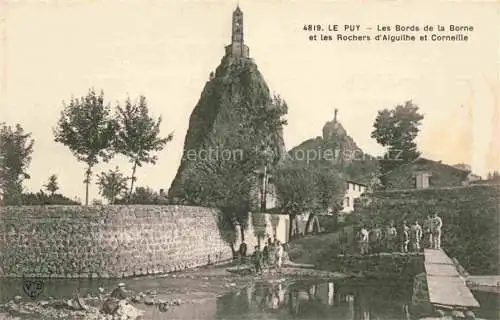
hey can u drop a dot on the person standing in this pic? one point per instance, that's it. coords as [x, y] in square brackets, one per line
[243, 252]
[375, 239]
[436, 225]
[404, 237]
[269, 241]
[265, 255]
[390, 237]
[427, 232]
[257, 260]
[415, 236]
[279, 255]
[363, 241]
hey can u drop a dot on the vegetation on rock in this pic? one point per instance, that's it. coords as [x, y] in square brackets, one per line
[234, 132]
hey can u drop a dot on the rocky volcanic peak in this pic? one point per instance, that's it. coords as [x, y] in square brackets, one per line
[351, 161]
[237, 81]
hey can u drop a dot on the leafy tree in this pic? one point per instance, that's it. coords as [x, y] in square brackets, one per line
[112, 184]
[224, 184]
[397, 130]
[16, 147]
[52, 185]
[227, 230]
[329, 190]
[145, 195]
[315, 188]
[138, 135]
[87, 129]
[295, 186]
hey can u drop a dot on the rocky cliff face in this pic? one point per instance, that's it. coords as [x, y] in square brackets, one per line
[236, 86]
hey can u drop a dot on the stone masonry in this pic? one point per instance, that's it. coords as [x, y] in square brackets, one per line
[108, 241]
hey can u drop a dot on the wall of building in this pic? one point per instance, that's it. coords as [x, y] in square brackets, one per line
[111, 241]
[442, 175]
[353, 191]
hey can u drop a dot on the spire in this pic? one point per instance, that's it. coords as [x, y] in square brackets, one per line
[335, 115]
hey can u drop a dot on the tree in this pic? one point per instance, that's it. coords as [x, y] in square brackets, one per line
[397, 130]
[87, 129]
[494, 176]
[112, 184]
[16, 147]
[328, 188]
[295, 188]
[227, 230]
[52, 185]
[144, 195]
[225, 184]
[138, 135]
[259, 226]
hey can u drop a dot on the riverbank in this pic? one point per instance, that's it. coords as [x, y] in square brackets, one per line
[174, 296]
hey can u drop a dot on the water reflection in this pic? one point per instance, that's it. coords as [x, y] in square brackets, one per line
[307, 300]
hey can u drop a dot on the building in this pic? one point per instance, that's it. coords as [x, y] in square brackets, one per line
[237, 48]
[425, 173]
[353, 191]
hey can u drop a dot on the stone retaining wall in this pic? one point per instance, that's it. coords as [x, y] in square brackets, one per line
[471, 219]
[108, 241]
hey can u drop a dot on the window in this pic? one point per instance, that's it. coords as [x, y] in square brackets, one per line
[347, 202]
[422, 180]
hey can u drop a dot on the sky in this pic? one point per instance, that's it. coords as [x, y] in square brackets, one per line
[165, 50]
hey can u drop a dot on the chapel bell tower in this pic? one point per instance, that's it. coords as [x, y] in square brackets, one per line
[237, 48]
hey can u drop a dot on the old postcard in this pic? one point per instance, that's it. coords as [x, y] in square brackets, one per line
[246, 159]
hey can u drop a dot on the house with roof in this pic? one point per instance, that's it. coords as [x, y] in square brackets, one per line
[424, 173]
[353, 191]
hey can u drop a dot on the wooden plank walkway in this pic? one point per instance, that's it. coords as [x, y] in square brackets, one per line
[446, 286]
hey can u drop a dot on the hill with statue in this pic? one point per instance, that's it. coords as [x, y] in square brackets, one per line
[339, 148]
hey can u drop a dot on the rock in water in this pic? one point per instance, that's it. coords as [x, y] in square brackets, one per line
[224, 106]
[127, 311]
[110, 306]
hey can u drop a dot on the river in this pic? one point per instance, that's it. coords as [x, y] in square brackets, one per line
[349, 299]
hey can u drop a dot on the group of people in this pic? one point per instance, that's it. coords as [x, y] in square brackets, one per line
[404, 238]
[272, 254]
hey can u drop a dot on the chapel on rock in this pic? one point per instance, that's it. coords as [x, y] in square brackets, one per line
[237, 48]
